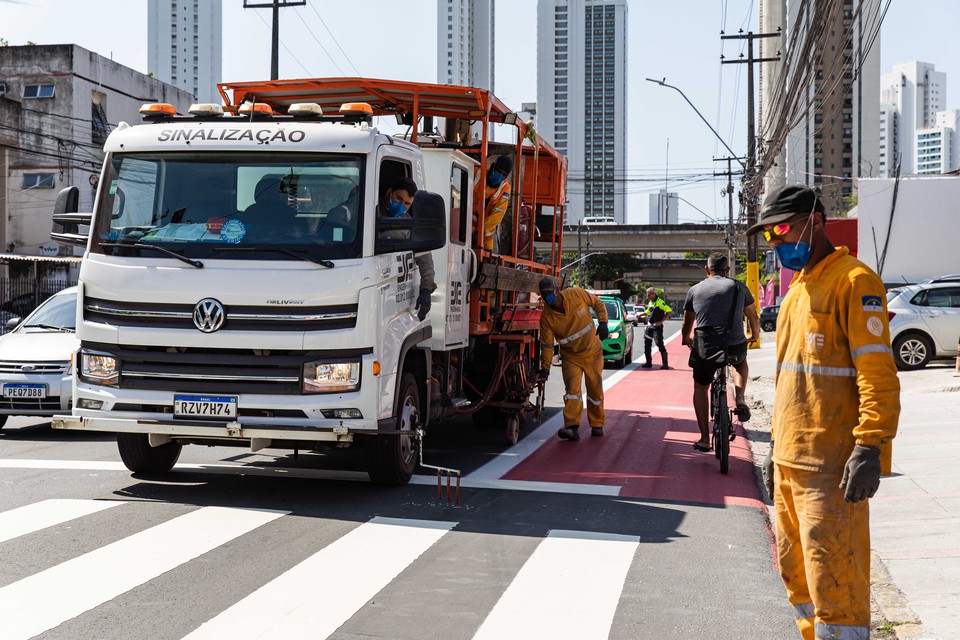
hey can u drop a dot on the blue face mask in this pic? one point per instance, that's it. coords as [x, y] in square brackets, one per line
[549, 298]
[395, 209]
[795, 256]
[494, 178]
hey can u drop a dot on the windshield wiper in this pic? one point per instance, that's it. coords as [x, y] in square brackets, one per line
[290, 252]
[172, 254]
[49, 327]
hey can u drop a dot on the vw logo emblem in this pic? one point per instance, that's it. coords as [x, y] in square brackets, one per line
[208, 315]
[27, 368]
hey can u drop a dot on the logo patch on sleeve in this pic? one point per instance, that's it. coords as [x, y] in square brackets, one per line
[875, 325]
[872, 304]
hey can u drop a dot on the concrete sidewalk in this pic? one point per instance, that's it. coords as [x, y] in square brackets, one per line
[915, 517]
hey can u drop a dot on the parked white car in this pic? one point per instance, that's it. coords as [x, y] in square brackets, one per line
[35, 373]
[924, 322]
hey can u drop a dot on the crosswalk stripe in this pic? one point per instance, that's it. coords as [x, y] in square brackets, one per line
[46, 599]
[40, 515]
[313, 599]
[568, 588]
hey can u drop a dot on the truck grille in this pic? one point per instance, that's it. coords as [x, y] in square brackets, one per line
[17, 366]
[119, 313]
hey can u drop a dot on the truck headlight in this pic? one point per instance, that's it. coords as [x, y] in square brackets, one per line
[614, 335]
[330, 377]
[99, 368]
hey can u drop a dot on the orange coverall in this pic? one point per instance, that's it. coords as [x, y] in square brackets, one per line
[836, 387]
[496, 199]
[581, 350]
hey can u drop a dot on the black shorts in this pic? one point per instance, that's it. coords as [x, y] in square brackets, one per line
[703, 371]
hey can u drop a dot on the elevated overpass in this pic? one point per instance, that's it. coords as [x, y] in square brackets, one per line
[644, 238]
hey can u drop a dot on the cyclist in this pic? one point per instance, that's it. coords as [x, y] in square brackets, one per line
[708, 305]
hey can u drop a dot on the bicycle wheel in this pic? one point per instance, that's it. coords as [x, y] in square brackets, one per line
[722, 440]
[714, 413]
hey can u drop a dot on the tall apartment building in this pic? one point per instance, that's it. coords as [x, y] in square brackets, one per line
[837, 136]
[58, 104]
[911, 95]
[582, 99]
[185, 44]
[465, 50]
[938, 147]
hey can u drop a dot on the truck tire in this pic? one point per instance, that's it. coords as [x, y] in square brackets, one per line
[140, 457]
[392, 459]
[912, 351]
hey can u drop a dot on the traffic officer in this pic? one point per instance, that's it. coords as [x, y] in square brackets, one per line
[836, 408]
[657, 313]
[566, 320]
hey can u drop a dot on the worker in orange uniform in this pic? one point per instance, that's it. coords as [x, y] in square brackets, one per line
[836, 409]
[566, 320]
[496, 196]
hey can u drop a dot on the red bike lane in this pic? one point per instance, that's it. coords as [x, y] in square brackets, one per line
[647, 447]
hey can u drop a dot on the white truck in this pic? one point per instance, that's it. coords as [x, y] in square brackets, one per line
[239, 287]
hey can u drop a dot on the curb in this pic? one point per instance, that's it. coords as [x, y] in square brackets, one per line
[892, 617]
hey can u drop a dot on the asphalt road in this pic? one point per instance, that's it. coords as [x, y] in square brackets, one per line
[238, 545]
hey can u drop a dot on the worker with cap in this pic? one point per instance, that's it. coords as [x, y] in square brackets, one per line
[657, 313]
[836, 409]
[566, 320]
[496, 196]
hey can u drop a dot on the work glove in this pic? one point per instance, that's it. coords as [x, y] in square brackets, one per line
[423, 304]
[767, 470]
[861, 474]
[542, 375]
[603, 331]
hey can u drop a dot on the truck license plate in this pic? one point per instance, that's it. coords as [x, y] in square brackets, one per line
[205, 406]
[24, 391]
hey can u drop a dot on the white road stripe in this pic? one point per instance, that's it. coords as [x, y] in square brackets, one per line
[40, 515]
[313, 599]
[46, 599]
[568, 588]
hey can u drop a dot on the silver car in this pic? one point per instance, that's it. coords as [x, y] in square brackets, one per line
[35, 374]
[924, 322]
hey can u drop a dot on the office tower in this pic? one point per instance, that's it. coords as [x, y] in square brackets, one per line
[465, 49]
[185, 45]
[582, 99]
[826, 86]
[663, 207]
[911, 96]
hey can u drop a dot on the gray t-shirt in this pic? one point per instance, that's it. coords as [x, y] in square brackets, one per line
[711, 300]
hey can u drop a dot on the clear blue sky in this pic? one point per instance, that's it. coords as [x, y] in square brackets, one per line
[397, 39]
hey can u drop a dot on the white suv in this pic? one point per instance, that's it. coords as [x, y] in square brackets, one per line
[924, 321]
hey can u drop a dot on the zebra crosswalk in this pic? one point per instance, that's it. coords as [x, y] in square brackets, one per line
[316, 596]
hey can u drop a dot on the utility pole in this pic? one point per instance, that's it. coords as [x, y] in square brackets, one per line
[731, 229]
[276, 5]
[749, 193]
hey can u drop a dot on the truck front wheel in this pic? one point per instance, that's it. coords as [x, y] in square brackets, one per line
[140, 457]
[394, 458]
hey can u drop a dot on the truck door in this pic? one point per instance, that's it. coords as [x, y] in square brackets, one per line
[460, 259]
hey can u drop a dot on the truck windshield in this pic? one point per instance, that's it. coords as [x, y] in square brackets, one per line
[197, 203]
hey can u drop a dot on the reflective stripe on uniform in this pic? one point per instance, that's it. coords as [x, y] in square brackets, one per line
[871, 348]
[804, 611]
[841, 372]
[596, 402]
[490, 233]
[577, 334]
[840, 632]
[572, 397]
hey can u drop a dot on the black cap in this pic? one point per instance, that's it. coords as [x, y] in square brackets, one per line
[503, 164]
[785, 203]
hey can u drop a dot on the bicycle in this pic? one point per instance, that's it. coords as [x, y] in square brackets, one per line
[722, 418]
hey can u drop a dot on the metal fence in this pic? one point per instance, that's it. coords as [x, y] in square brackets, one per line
[20, 296]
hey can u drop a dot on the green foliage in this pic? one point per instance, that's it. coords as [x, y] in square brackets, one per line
[4, 42]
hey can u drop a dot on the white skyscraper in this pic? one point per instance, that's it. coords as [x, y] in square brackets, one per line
[465, 43]
[938, 147]
[663, 207]
[582, 99]
[911, 95]
[185, 45]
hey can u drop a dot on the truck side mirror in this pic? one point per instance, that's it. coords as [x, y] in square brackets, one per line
[67, 221]
[424, 230]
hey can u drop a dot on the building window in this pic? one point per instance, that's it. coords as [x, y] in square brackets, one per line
[38, 181]
[38, 91]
